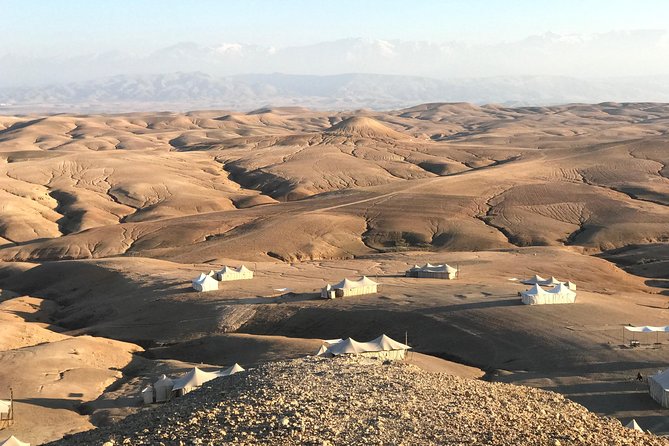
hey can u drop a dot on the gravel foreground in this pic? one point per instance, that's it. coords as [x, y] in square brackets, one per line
[358, 401]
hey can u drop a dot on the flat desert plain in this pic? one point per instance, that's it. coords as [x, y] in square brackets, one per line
[106, 219]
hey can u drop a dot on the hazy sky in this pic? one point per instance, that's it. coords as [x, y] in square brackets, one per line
[71, 27]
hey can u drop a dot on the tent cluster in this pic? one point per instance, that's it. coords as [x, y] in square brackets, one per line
[538, 280]
[350, 288]
[13, 441]
[209, 281]
[428, 270]
[166, 388]
[382, 347]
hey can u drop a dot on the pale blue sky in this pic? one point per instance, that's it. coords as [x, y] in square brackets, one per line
[69, 27]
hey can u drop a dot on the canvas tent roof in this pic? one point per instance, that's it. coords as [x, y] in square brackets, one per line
[194, 378]
[203, 278]
[662, 378]
[347, 284]
[634, 425]
[321, 351]
[535, 290]
[380, 344]
[561, 288]
[13, 441]
[534, 280]
[647, 329]
[231, 370]
[428, 267]
[385, 343]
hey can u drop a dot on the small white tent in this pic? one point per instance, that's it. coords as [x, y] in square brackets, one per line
[13, 441]
[634, 425]
[204, 283]
[228, 273]
[658, 386]
[148, 394]
[350, 288]
[192, 380]
[163, 389]
[536, 295]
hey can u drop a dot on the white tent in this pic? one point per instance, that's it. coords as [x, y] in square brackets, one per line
[231, 370]
[442, 271]
[350, 288]
[192, 380]
[148, 394]
[536, 295]
[634, 425]
[13, 441]
[205, 282]
[163, 389]
[227, 273]
[5, 407]
[647, 329]
[658, 386]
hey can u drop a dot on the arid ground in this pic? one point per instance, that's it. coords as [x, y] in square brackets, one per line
[105, 219]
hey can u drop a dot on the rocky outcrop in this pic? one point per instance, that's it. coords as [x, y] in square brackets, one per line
[351, 401]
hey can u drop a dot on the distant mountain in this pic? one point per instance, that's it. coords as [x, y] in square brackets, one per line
[186, 91]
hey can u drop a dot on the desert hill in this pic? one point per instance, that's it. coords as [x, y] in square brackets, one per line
[359, 402]
[105, 220]
[479, 177]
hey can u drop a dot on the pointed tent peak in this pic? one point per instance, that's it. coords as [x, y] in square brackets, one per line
[554, 280]
[634, 425]
[200, 278]
[387, 343]
[536, 289]
[538, 278]
[365, 127]
[243, 269]
[147, 389]
[195, 377]
[236, 368]
[13, 441]
[163, 380]
[367, 281]
[321, 351]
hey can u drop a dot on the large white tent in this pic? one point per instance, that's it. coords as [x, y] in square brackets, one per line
[227, 273]
[192, 380]
[559, 294]
[350, 288]
[205, 282]
[442, 271]
[658, 386]
[163, 389]
[382, 347]
[13, 441]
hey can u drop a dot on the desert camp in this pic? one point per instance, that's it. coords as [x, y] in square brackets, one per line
[334, 223]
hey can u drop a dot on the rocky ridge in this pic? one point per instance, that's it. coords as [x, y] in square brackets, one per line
[351, 401]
